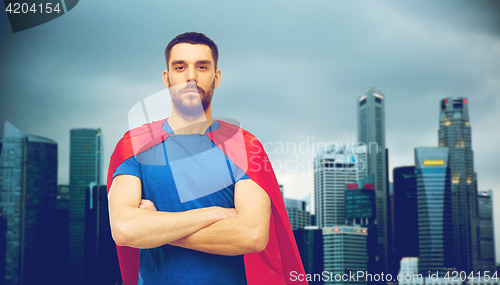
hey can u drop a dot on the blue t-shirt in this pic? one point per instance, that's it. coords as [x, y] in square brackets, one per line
[186, 172]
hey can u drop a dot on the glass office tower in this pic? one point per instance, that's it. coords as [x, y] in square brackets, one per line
[455, 134]
[85, 168]
[371, 132]
[405, 212]
[435, 229]
[28, 202]
[486, 230]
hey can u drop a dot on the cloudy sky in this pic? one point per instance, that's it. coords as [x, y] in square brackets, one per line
[291, 72]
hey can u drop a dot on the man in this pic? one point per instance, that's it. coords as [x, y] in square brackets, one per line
[212, 212]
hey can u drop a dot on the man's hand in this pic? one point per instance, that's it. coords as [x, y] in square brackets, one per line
[148, 205]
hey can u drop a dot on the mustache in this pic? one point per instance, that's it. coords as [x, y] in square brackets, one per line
[190, 87]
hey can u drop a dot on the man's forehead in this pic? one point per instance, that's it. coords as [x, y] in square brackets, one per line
[191, 53]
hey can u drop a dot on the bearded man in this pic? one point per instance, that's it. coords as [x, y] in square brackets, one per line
[197, 196]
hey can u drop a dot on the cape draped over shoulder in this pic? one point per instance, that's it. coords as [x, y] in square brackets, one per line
[275, 263]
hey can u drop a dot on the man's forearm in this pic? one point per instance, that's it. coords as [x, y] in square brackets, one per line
[142, 228]
[226, 237]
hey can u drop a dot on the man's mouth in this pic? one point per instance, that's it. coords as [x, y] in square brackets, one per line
[190, 90]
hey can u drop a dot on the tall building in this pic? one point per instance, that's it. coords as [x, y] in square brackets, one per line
[310, 245]
[3, 232]
[3, 246]
[63, 197]
[405, 212]
[360, 211]
[435, 235]
[392, 265]
[333, 169]
[85, 168]
[486, 231]
[371, 132]
[28, 202]
[62, 236]
[100, 260]
[455, 134]
[297, 213]
[408, 271]
[344, 249]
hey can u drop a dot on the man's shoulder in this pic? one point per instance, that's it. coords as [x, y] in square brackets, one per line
[147, 129]
[233, 128]
[141, 138]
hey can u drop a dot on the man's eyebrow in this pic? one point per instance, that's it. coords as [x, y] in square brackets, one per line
[177, 62]
[204, 62]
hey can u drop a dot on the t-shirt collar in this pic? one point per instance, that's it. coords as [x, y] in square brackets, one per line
[215, 125]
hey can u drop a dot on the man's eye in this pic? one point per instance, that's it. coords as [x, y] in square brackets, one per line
[202, 67]
[179, 68]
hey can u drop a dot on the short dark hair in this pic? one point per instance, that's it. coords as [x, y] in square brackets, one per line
[193, 38]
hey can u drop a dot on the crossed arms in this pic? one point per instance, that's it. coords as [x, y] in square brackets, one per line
[215, 230]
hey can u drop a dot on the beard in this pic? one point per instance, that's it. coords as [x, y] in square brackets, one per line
[196, 105]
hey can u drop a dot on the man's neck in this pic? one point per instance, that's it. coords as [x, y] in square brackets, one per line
[186, 125]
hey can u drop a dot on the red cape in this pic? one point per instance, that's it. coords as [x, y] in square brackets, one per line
[271, 266]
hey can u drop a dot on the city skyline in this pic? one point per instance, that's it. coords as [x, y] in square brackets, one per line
[300, 70]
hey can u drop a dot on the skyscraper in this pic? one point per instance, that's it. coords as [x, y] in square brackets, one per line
[435, 235]
[345, 252]
[371, 132]
[28, 202]
[100, 260]
[85, 168]
[455, 134]
[333, 169]
[486, 230]
[297, 213]
[360, 211]
[62, 235]
[310, 245]
[405, 212]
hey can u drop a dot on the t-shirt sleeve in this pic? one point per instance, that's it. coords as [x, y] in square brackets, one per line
[130, 167]
[240, 174]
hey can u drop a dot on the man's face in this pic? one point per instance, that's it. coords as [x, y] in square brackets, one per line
[191, 78]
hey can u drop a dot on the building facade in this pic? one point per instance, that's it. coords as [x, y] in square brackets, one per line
[85, 168]
[455, 134]
[297, 213]
[100, 259]
[486, 231]
[371, 132]
[435, 228]
[310, 245]
[408, 272]
[28, 202]
[333, 169]
[405, 212]
[344, 249]
[360, 210]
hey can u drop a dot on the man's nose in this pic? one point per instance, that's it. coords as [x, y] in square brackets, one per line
[191, 74]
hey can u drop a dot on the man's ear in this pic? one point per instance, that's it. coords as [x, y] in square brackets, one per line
[165, 78]
[217, 78]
